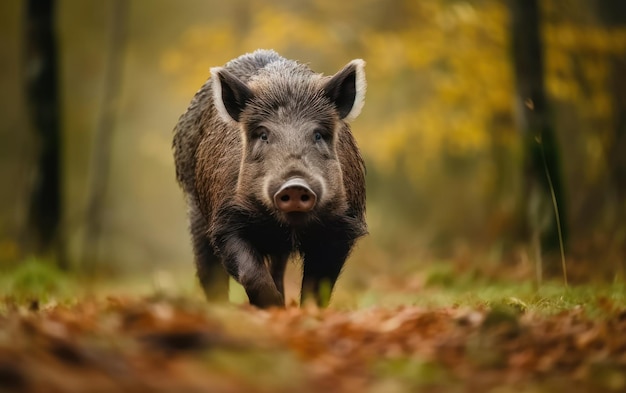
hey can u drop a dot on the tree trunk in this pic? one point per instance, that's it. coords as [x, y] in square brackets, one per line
[612, 14]
[542, 184]
[42, 95]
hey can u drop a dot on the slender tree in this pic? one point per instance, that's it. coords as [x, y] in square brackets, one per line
[101, 152]
[42, 95]
[543, 197]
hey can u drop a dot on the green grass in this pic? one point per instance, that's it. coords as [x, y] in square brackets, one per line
[441, 286]
[35, 279]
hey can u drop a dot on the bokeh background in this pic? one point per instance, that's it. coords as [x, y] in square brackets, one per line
[443, 130]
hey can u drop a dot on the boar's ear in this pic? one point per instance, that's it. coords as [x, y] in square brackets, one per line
[346, 89]
[230, 94]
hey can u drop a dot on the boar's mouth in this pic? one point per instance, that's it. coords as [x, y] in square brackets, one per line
[297, 219]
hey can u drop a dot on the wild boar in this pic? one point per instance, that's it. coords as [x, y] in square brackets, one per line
[270, 169]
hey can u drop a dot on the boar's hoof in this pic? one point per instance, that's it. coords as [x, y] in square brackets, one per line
[266, 298]
[295, 195]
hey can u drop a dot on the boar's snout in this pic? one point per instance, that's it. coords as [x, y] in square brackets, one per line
[295, 195]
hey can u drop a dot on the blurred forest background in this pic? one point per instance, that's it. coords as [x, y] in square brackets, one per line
[470, 105]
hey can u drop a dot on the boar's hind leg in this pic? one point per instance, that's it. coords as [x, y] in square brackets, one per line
[322, 265]
[211, 274]
[248, 267]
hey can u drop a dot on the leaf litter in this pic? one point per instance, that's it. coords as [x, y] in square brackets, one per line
[175, 345]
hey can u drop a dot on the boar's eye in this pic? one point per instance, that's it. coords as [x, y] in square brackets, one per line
[261, 133]
[322, 134]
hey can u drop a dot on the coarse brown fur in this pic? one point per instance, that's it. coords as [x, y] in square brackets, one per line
[229, 177]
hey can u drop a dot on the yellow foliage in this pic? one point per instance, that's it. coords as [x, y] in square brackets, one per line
[579, 62]
[438, 74]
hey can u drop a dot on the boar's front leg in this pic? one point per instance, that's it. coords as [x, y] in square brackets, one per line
[278, 263]
[322, 265]
[245, 264]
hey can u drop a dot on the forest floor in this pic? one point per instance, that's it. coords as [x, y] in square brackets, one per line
[477, 337]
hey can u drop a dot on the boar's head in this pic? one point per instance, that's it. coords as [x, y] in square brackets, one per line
[290, 120]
